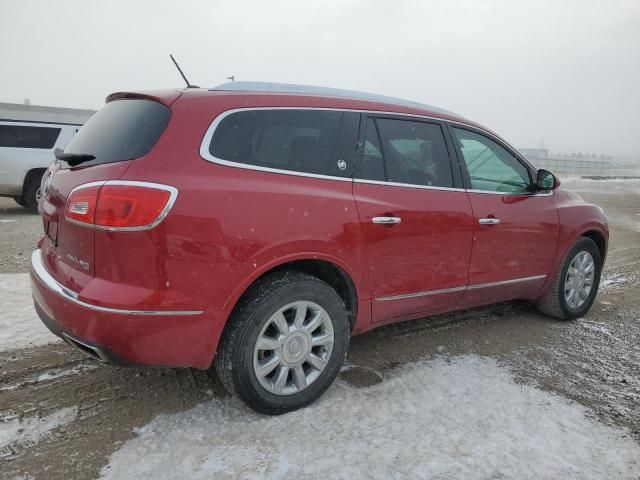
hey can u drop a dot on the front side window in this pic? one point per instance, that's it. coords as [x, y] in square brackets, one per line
[413, 153]
[491, 167]
[21, 136]
[300, 140]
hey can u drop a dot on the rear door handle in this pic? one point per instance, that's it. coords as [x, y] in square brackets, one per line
[489, 221]
[386, 220]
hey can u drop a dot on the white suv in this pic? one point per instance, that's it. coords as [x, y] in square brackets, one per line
[26, 150]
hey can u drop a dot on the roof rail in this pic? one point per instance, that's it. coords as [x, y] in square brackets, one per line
[326, 91]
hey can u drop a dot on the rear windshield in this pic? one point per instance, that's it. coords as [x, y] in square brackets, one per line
[121, 130]
[21, 136]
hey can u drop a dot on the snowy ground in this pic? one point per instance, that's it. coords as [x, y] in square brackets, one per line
[461, 417]
[20, 326]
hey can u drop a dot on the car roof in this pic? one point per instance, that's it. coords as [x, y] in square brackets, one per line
[263, 94]
[271, 87]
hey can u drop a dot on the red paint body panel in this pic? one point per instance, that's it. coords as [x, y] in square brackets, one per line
[523, 245]
[230, 225]
[429, 250]
[178, 341]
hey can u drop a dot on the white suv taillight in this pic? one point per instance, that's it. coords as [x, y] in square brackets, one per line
[120, 204]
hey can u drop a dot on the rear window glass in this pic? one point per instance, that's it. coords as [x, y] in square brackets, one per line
[121, 130]
[405, 151]
[20, 136]
[298, 140]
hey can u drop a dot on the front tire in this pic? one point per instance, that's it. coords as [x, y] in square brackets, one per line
[285, 343]
[575, 286]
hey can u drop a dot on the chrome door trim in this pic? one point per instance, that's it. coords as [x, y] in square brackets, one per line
[420, 294]
[507, 282]
[52, 284]
[458, 289]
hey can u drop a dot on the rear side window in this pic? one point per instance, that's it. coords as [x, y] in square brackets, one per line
[309, 141]
[20, 136]
[405, 151]
[121, 130]
[372, 162]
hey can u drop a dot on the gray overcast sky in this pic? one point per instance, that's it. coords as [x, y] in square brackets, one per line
[565, 71]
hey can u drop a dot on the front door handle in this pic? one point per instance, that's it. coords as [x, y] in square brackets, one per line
[489, 221]
[386, 220]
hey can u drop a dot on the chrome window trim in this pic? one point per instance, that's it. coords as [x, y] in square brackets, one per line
[206, 142]
[71, 296]
[206, 155]
[407, 185]
[459, 289]
[173, 195]
[544, 193]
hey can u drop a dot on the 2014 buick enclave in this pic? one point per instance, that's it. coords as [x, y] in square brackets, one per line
[256, 227]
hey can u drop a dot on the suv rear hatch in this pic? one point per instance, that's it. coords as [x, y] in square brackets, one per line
[125, 129]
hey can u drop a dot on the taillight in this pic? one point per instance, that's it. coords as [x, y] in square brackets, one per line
[120, 204]
[81, 204]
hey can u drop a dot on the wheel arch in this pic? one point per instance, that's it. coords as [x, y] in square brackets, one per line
[327, 270]
[600, 240]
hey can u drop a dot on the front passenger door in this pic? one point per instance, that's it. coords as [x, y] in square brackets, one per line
[515, 231]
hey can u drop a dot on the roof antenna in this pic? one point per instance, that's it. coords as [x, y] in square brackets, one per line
[180, 70]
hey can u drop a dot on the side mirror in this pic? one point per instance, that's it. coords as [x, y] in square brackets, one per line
[545, 180]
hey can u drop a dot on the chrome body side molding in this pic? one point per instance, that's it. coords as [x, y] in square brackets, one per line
[420, 294]
[459, 289]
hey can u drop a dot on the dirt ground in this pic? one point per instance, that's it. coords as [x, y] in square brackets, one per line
[594, 361]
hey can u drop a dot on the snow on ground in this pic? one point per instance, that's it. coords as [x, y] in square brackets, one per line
[20, 326]
[51, 375]
[462, 417]
[17, 431]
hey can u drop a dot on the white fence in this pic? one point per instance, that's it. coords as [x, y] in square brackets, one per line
[573, 165]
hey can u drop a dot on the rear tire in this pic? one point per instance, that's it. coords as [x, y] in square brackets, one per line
[301, 367]
[558, 301]
[31, 193]
[20, 201]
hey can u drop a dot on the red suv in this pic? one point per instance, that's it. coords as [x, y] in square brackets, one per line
[256, 227]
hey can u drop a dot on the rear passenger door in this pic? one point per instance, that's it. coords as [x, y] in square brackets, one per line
[415, 217]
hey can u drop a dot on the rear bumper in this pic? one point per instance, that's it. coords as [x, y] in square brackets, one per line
[176, 338]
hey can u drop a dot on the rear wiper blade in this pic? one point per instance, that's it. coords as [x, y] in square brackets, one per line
[73, 159]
